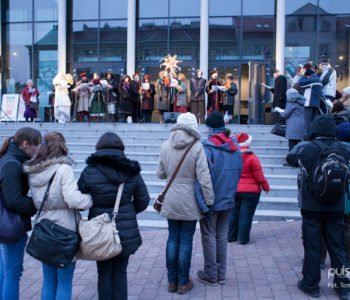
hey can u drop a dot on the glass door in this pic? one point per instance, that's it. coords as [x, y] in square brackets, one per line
[258, 73]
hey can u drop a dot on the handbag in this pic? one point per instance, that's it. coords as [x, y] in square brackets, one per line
[34, 102]
[11, 223]
[279, 129]
[50, 243]
[99, 236]
[158, 202]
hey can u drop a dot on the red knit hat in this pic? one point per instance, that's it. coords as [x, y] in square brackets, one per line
[83, 74]
[244, 139]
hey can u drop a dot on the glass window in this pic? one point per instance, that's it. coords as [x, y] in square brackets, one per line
[45, 58]
[19, 11]
[113, 36]
[224, 38]
[153, 8]
[113, 9]
[84, 41]
[85, 10]
[152, 39]
[45, 10]
[184, 39]
[225, 8]
[184, 8]
[17, 69]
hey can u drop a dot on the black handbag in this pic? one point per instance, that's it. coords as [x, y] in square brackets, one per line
[279, 129]
[50, 243]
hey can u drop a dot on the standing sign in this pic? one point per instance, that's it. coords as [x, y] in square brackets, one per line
[21, 109]
[9, 107]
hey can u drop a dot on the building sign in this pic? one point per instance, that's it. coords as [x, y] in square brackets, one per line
[9, 107]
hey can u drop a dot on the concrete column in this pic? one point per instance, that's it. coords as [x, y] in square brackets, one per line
[62, 33]
[204, 37]
[131, 38]
[280, 34]
[204, 42]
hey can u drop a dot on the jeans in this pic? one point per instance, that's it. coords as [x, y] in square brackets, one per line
[214, 241]
[240, 222]
[179, 250]
[146, 116]
[11, 268]
[57, 282]
[112, 278]
[333, 232]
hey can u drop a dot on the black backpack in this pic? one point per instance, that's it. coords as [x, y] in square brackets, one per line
[330, 175]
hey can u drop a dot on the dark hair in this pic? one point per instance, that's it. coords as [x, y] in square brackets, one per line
[110, 140]
[337, 106]
[227, 132]
[25, 134]
[52, 146]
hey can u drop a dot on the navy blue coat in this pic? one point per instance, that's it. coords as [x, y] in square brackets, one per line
[312, 90]
[101, 178]
[225, 165]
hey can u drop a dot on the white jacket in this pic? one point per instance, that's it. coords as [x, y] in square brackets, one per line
[64, 197]
[330, 88]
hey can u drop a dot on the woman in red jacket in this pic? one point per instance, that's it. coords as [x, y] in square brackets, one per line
[29, 91]
[248, 193]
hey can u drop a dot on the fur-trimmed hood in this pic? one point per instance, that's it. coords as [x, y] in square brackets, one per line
[114, 165]
[31, 169]
[182, 135]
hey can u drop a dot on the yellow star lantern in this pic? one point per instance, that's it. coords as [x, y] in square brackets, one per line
[171, 63]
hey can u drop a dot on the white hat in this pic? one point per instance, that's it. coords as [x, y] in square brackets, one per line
[188, 119]
[346, 91]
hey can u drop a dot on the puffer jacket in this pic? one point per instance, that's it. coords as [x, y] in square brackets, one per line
[64, 197]
[252, 178]
[225, 164]
[312, 90]
[329, 89]
[294, 116]
[180, 203]
[14, 184]
[106, 170]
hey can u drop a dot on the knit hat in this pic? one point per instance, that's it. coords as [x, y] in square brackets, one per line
[244, 139]
[309, 72]
[215, 120]
[346, 91]
[188, 119]
[146, 77]
[83, 74]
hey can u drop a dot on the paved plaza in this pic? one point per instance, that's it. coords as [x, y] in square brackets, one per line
[267, 268]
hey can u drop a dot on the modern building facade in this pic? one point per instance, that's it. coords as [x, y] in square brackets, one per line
[245, 37]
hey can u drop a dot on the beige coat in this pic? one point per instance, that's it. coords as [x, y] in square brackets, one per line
[64, 197]
[180, 203]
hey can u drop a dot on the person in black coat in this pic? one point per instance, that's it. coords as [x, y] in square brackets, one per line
[14, 187]
[320, 219]
[279, 93]
[106, 169]
[135, 97]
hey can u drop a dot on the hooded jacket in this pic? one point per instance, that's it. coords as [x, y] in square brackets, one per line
[64, 197]
[322, 128]
[294, 116]
[329, 89]
[14, 184]
[179, 202]
[225, 164]
[312, 90]
[106, 170]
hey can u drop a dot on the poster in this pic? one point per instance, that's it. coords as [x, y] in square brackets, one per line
[9, 107]
[21, 109]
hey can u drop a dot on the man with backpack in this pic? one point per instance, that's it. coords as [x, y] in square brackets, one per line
[322, 183]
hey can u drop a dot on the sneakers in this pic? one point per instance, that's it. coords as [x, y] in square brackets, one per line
[202, 277]
[172, 287]
[222, 281]
[312, 294]
[183, 289]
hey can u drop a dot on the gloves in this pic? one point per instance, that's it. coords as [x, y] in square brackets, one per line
[279, 110]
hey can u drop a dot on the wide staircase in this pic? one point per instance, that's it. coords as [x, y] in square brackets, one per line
[143, 141]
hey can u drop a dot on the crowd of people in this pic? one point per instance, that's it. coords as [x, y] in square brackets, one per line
[210, 187]
[133, 99]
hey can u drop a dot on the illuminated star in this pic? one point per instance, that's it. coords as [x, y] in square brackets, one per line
[170, 63]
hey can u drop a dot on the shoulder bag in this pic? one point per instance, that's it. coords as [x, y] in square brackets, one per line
[99, 236]
[50, 243]
[158, 202]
